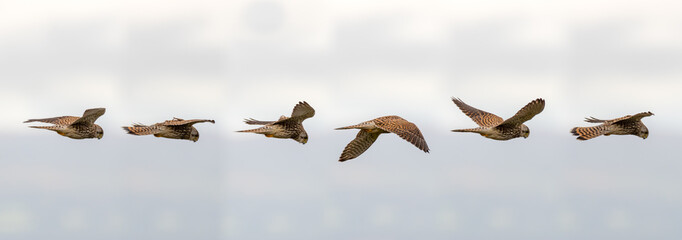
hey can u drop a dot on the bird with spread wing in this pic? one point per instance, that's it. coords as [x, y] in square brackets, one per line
[494, 127]
[285, 127]
[627, 125]
[75, 127]
[370, 131]
[175, 128]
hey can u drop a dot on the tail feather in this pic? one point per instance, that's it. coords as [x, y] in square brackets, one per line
[139, 129]
[585, 133]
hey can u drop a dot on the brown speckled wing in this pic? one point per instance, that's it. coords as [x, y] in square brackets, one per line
[634, 118]
[594, 120]
[480, 117]
[358, 146]
[252, 121]
[406, 130]
[526, 113]
[302, 111]
[90, 116]
[178, 122]
[585, 133]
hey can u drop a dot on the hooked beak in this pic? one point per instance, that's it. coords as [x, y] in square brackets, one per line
[644, 136]
[525, 135]
[304, 141]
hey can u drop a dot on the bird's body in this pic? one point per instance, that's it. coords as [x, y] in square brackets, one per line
[175, 129]
[75, 127]
[495, 133]
[285, 127]
[627, 125]
[494, 127]
[370, 131]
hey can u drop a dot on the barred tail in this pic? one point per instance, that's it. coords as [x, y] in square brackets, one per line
[585, 133]
[139, 130]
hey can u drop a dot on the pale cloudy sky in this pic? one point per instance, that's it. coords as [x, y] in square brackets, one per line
[147, 61]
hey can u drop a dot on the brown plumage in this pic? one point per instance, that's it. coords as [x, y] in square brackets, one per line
[370, 131]
[494, 127]
[75, 127]
[175, 129]
[285, 127]
[627, 125]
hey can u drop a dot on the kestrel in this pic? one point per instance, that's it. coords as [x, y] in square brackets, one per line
[494, 127]
[370, 131]
[628, 125]
[176, 129]
[75, 127]
[285, 127]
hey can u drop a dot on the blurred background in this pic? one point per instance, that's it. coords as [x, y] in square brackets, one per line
[149, 61]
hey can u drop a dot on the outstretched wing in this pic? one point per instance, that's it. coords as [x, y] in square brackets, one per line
[178, 122]
[65, 120]
[359, 145]
[90, 116]
[406, 130]
[302, 111]
[252, 121]
[482, 118]
[594, 120]
[526, 113]
[634, 118]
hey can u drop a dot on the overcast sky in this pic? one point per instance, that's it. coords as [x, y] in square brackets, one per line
[149, 61]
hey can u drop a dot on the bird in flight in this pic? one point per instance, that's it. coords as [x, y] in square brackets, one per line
[175, 129]
[494, 127]
[627, 125]
[75, 127]
[285, 127]
[370, 131]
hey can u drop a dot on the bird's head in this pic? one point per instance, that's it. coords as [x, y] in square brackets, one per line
[643, 132]
[525, 132]
[99, 132]
[194, 135]
[302, 138]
